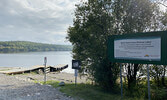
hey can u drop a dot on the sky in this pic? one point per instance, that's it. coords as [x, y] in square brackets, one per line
[44, 21]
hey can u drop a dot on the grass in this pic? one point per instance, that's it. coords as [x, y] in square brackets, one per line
[87, 92]
[53, 83]
[92, 92]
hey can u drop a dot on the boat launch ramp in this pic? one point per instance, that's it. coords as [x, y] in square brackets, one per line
[39, 69]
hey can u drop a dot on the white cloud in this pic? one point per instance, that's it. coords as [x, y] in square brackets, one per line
[36, 20]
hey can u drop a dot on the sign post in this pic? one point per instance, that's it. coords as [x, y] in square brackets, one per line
[45, 61]
[138, 48]
[76, 64]
[76, 74]
[148, 81]
[121, 81]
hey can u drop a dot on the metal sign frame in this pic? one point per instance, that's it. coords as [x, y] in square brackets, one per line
[161, 34]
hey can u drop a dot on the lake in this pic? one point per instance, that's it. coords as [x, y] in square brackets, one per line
[37, 58]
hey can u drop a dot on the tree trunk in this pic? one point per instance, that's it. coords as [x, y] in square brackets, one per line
[163, 76]
[132, 72]
[128, 76]
[158, 84]
[135, 72]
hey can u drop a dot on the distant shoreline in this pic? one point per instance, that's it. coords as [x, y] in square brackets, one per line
[32, 52]
[26, 46]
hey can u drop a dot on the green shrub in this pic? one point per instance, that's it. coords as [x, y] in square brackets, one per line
[158, 93]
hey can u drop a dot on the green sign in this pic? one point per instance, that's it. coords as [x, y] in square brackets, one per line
[141, 48]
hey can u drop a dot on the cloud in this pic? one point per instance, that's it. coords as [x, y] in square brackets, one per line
[36, 20]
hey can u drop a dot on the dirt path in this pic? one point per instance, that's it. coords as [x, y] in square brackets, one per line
[13, 89]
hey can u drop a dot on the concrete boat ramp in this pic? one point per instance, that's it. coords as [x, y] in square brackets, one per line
[39, 69]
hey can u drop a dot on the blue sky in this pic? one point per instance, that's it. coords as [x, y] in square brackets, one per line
[43, 21]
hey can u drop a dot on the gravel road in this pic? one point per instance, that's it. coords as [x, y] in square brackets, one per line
[13, 89]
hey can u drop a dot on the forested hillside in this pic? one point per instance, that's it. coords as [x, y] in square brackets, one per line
[25, 46]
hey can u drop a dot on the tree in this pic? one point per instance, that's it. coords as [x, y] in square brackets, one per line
[94, 21]
[163, 75]
[156, 72]
[92, 25]
[164, 20]
[132, 16]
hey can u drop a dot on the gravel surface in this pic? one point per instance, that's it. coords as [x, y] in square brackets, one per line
[12, 88]
[57, 76]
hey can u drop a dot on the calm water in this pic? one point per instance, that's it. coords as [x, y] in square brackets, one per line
[36, 58]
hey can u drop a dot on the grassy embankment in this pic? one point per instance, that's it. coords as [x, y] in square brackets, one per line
[91, 92]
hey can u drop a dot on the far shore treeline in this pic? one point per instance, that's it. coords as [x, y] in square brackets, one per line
[26, 46]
